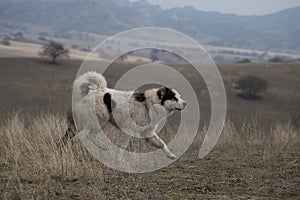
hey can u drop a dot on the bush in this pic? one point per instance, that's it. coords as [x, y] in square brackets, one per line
[251, 86]
[277, 59]
[5, 41]
[19, 36]
[154, 54]
[42, 38]
[244, 60]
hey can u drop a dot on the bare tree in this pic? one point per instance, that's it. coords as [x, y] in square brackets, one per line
[54, 50]
[250, 86]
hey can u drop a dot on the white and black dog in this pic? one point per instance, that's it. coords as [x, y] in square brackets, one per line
[146, 109]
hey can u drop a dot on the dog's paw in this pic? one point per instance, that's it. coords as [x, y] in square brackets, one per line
[101, 146]
[171, 156]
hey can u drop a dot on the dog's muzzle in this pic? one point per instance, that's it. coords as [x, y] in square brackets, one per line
[182, 106]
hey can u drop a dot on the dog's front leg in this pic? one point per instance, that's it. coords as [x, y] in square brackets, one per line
[126, 141]
[158, 142]
[92, 137]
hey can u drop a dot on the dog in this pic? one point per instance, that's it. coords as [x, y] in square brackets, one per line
[136, 112]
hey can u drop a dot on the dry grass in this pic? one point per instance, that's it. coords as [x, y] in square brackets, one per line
[33, 167]
[280, 138]
[255, 158]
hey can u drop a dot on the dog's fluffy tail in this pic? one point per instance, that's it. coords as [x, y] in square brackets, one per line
[87, 82]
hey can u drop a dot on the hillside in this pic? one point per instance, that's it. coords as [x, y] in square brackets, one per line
[278, 31]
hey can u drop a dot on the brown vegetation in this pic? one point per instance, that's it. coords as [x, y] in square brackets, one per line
[251, 86]
[257, 156]
[246, 163]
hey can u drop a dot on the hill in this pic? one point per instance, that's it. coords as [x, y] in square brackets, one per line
[278, 31]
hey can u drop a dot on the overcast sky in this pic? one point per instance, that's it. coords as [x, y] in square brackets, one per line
[243, 7]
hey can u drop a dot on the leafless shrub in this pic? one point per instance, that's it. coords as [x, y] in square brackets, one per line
[277, 59]
[251, 86]
[244, 60]
[5, 41]
[154, 54]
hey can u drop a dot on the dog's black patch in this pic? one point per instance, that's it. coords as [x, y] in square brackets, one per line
[165, 94]
[110, 104]
[139, 96]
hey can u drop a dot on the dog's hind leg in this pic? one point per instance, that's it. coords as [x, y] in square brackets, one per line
[158, 142]
[70, 131]
[92, 137]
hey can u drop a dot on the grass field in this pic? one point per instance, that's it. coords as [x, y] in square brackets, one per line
[257, 156]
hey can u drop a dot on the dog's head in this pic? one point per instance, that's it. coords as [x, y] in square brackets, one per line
[170, 99]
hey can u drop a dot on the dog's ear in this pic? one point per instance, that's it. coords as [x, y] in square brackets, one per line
[162, 92]
[92, 85]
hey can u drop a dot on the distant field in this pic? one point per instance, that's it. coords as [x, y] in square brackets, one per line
[80, 51]
[257, 156]
[31, 84]
[30, 50]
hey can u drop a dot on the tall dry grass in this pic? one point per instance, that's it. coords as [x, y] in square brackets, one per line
[32, 166]
[280, 138]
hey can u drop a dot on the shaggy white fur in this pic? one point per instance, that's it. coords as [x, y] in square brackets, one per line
[137, 114]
